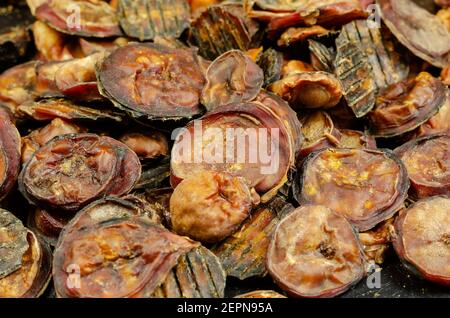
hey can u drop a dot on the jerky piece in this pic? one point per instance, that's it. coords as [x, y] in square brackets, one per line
[365, 186]
[427, 161]
[423, 240]
[376, 242]
[322, 57]
[271, 62]
[406, 105]
[315, 253]
[198, 274]
[243, 254]
[10, 145]
[148, 145]
[147, 19]
[47, 224]
[417, 29]
[51, 44]
[233, 77]
[294, 35]
[356, 139]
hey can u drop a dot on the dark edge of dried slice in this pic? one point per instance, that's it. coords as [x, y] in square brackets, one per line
[10, 148]
[322, 57]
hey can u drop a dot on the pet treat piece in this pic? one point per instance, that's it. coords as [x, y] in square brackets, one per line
[295, 35]
[148, 145]
[153, 81]
[232, 78]
[365, 186]
[209, 206]
[406, 105]
[427, 161]
[420, 31]
[147, 19]
[315, 253]
[10, 145]
[422, 239]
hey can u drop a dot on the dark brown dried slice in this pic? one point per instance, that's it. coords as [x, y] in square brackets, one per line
[406, 105]
[294, 35]
[198, 274]
[51, 108]
[376, 242]
[210, 206]
[232, 78]
[417, 29]
[319, 133]
[221, 28]
[271, 62]
[14, 44]
[114, 258]
[154, 174]
[147, 19]
[309, 89]
[356, 139]
[243, 254]
[80, 17]
[315, 253]
[261, 294]
[250, 124]
[159, 200]
[147, 145]
[38, 138]
[365, 186]
[423, 239]
[46, 224]
[153, 81]
[92, 46]
[322, 57]
[427, 161]
[10, 145]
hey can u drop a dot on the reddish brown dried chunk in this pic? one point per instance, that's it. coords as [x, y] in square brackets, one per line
[261, 294]
[47, 224]
[233, 77]
[150, 80]
[146, 145]
[406, 105]
[10, 145]
[127, 257]
[271, 62]
[417, 29]
[309, 90]
[376, 242]
[294, 35]
[427, 161]
[315, 253]
[80, 17]
[356, 139]
[365, 186]
[423, 239]
[210, 206]
[51, 44]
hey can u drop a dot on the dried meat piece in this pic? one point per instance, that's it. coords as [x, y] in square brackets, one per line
[148, 19]
[261, 294]
[365, 186]
[231, 78]
[155, 175]
[51, 44]
[47, 224]
[406, 105]
[148, 145]
[209, 206]
[243, 254]
[153, 81]
[427, 161]
[422, 239]
[322, 57]
[294, 35]
[356, 139]
[315, 253]
[271, 62]
[417, 29]
[10, 145]
[79, 17]
[376, 242]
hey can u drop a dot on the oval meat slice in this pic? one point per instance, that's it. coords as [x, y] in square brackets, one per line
[315, 253]
[423, 239]
[10, 147]
[427, 161]
[365, 186]
[153, 81]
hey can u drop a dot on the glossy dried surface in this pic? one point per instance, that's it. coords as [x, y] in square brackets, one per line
[209, 206]
[406, 105]
[315, 253]
[418, 30]
[295, 35]
[10, 145]
[365, 186]
[147, 145]
[423, 239]
[233, 77]
[427, 161]
[147, 19]
[150, 80]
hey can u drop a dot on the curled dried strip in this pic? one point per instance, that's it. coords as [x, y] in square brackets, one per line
[427, 161]
[79, 17]
[406, 105]
[294, 35]
[423, 240]
[209, 206]
[365, 186]
[315, 253]
[233, 77]
[153, 81]
[10, 146]
[148, 19]
[417, 29]
[309, 90]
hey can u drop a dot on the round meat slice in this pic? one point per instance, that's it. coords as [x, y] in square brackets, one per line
[153, 81]
[423, 239]
[315, 253]
[365, 186]
[209, 206]
[427, 161]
